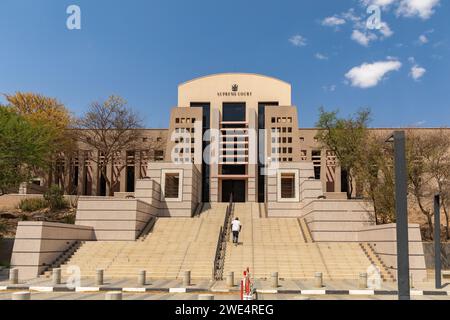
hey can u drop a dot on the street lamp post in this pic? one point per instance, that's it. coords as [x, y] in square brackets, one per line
[401, 211]
[437, 241]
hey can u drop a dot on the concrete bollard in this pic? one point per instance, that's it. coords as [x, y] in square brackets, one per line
[362, 283]
[113, 295]
[56, 276]
[230, 279]
[205, 297]
[187, 278]
[142, 278]
[411, 281]
[274, 279]
[99, 277]
[318, 280]
[25, 295]
[14, 276]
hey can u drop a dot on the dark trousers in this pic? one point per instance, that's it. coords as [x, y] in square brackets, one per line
[235, 236]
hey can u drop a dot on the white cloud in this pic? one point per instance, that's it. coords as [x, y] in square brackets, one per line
[420, 8]
[381, 3]
[330, 88]
[333, 21]
[386, 30]
[321, 56]
[363, 38]
[369, 75]
[298, 40]
[423, 39]
[417, 72]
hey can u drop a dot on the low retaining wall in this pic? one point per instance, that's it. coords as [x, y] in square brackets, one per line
[337, 220]
[384, 241]
[114, 219]
[38, 244]
[12, 201]
[428, 248]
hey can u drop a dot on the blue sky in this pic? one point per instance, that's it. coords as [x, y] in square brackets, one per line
[142, 50]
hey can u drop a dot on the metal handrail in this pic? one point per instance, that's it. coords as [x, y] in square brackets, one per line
[222, 242]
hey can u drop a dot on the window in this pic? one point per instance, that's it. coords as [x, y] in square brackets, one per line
[172, 186]
[159, 155]
[287, 185]
[177, 120]
[233, 112]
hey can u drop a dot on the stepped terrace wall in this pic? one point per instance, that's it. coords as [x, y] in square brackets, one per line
[38, 244]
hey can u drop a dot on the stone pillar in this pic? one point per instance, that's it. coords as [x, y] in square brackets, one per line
[14, 276]
[230, 279]
[99, 277]
[205, 297]
[187, 278]
[25, 295]
[113, 295]
[362, 283]
[318, 280]
[142, 278]
[274, 279]
[95, 174]
[56, 276]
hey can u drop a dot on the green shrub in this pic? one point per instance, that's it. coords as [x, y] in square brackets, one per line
[55, 198]
[33, 204]
[69, 219]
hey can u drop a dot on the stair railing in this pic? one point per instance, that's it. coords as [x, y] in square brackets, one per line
[219, 259]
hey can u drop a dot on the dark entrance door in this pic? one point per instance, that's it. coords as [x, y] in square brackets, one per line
[235, 187]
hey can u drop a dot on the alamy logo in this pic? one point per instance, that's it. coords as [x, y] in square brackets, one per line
[234, 87]
[74, 20]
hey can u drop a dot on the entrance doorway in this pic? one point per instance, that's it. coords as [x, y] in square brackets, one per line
[235, 187]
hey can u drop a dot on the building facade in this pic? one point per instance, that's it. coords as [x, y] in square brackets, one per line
[234, 128]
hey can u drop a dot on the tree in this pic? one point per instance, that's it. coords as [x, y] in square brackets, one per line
[375, 173]
[438, 159]
[108, 128]
[346, 138]
[24, 146]
[37, 108]
[418, 147]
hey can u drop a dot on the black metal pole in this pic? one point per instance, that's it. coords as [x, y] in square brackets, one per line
[401, 210]
[437, 241]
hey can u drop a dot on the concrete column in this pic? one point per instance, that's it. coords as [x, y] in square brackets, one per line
[142, 278]
[187, 278]
[318, 280]
[362, 283]
[25, 295]
[95, 174]
[113, 295]
[14, 276]
[99, 277]
[205, 297]
[230, 279]
[274, 279]
[56, 276]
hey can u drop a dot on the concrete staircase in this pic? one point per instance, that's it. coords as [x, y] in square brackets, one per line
[173, 246]
[285, 245]
[386, 274]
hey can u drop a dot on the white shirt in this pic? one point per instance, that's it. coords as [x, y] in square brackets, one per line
[236, 225]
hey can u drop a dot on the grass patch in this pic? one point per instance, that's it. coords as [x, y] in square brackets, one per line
[33, 204]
